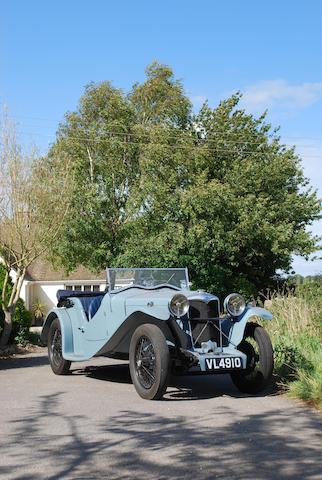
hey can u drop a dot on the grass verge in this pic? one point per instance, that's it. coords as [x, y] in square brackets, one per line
[296, 333]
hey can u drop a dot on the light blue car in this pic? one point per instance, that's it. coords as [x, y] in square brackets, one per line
[152, 318]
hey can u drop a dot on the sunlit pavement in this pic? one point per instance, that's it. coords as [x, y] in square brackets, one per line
[92, 425]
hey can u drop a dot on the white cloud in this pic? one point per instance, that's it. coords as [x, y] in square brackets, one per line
[279, 93]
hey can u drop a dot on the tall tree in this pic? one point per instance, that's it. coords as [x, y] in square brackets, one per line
[98, 140]
[239, 212]
[216, 191]
[109, 138]
[33, 202]
[160, 100]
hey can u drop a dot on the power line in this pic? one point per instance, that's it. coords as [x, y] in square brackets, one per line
[214, 133]
[182, 147]
[149, 136]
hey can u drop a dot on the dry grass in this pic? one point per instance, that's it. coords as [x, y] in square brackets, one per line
[296, 332]
[294, 315]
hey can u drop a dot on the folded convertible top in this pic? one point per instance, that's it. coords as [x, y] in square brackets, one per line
[63, 294]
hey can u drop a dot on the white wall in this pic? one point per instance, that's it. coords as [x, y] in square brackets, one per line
[45, 294]
[31, 291]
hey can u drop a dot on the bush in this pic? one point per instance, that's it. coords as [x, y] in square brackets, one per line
[20, 325]
[297, 339]
[289, 359]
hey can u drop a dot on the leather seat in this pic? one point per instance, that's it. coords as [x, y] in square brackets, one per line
[90, 301]
[86, 301]
[94, 306]
[91, 305]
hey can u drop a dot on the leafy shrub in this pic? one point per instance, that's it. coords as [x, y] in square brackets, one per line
[311, 291]
[289, 359]
[296, 335]
[20, 325]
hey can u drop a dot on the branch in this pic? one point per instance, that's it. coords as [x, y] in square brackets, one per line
[19, 285]
[7, 251]
[37, 254]
[14, 289]
[91, 170]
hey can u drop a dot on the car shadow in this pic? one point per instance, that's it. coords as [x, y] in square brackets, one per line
[181, 387]
[119, 373]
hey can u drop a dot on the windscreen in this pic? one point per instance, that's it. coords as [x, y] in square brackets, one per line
[147, 277]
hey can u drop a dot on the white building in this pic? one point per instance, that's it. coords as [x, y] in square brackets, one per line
[42, 282]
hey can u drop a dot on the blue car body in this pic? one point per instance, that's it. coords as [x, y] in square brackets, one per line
[102, 323]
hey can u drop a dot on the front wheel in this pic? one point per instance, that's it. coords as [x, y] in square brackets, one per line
[149, 362]
[257, 345]
[58, 364]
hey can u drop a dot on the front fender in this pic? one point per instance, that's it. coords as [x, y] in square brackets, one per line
[66, 329]
[240, 323]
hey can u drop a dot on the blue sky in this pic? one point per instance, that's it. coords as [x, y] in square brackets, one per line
[271, 51]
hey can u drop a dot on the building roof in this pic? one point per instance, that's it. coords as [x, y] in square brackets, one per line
[41, 270]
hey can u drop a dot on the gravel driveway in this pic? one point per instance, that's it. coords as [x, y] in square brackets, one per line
[92, 425]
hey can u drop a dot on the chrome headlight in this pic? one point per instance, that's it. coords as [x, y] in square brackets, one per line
[235, 304]
[179, 305]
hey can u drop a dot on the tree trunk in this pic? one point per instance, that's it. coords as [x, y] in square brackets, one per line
[10, 306]
[7, 328]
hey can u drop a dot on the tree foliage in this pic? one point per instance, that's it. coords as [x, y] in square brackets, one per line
[33, 200]
[158, 185]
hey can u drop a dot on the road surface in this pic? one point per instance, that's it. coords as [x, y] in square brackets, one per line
[92, 425]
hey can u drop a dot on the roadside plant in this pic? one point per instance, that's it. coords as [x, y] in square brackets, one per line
[296, 333]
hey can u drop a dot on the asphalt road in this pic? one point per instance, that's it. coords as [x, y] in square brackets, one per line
[92, 425]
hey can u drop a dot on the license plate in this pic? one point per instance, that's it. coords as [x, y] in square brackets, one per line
[223, 363]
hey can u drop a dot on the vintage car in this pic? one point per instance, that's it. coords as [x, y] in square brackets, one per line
[152, 318]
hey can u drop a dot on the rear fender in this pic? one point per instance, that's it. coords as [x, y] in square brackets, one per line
[66, 329]
[238, 329]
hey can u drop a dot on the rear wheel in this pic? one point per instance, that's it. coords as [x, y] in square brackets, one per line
[58, 364]
[260, 361]
[149, 362]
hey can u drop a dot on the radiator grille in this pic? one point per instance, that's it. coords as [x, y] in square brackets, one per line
[204, 330]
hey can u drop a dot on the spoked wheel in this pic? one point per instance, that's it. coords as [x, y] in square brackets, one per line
[145, 362]
[58, 364]
[149, 362]
[260, 361]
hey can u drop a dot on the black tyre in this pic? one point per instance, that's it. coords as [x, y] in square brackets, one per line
[260, 360]
[149, 362]
[58, 364]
